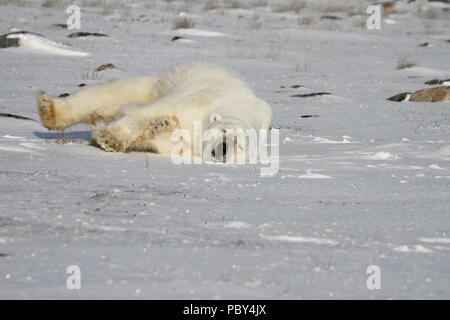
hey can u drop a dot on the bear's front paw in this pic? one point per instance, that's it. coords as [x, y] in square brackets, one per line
[108, 137]
[107, 141]
[160, 125]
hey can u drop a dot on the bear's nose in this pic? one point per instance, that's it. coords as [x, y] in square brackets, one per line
[220, 151]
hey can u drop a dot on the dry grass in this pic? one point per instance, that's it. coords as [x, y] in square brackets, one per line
[260, 3]
[405, 62]
[361, 23]
[90, 74]
[306, 20]
[211, 5]
[349, 10]
[292, 6]
[430, 28]
[275, 50]
[50, 3]
[176, 6]
[233, 4]
[186, 6]
[330, 26]
[110, 7]
[23, 3]
[301, 68]
[255, 22]
[355, 11]
[183, 23]
[236, 4]
[63, 137]
[392, 8]
[428, 13]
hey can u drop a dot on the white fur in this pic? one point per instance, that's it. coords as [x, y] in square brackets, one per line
[202, 92]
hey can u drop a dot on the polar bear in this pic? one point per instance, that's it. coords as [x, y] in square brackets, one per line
[141, 113]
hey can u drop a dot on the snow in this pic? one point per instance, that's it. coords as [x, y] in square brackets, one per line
[429, 72]
[417, 248]
[302, 239]
[345, 139]
[382, 156]
[38, 44]
[237, 225]
[366, 182]
[200, 33]
[312, 175]
[435, 240]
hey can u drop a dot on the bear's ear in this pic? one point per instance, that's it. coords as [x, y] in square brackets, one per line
[214, 117]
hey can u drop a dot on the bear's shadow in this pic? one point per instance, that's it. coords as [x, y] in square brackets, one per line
[66, 135]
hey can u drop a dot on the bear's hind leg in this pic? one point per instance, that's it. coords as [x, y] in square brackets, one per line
[106, 99]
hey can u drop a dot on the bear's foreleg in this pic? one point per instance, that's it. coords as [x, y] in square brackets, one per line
[121, 136]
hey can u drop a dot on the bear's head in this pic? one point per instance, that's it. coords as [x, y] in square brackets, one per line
[228, 140]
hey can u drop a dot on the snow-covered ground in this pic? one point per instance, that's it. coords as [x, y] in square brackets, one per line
[367, 182]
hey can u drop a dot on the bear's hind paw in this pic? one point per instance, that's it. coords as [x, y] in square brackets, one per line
[46, 110]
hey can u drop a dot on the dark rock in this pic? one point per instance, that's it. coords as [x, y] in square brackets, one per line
[329, 17]
[436, 81]
[105, 66]
[306, 95]
[9, 115]
[309, 116]
[6, 42]
[176, 38]
[399, 97]
[425, 44]
[436, 94]
[86, 34]
[60, 25]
